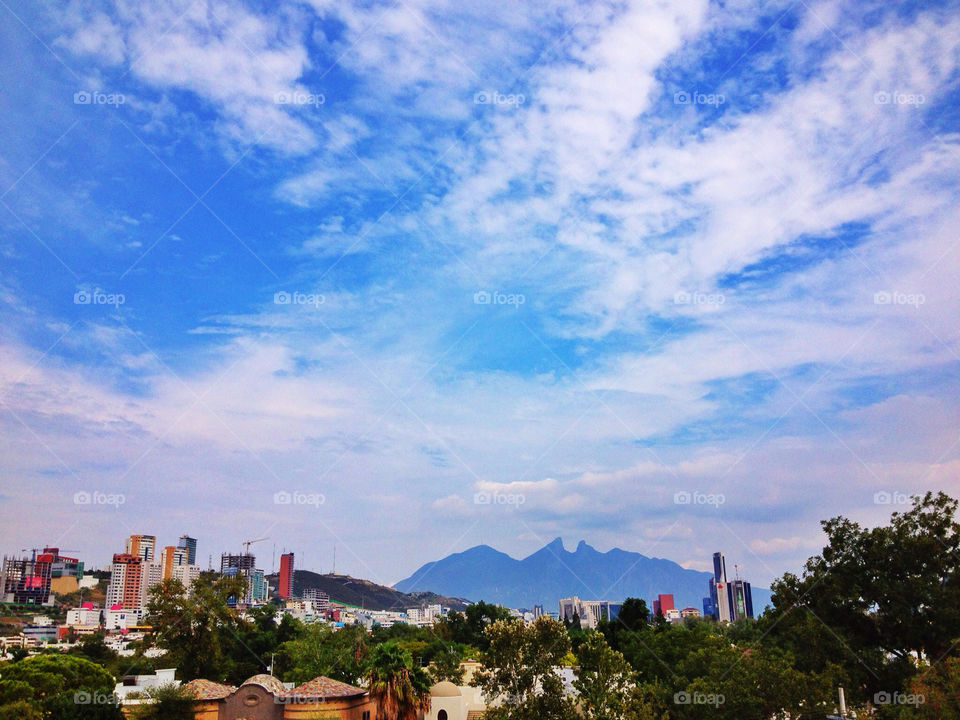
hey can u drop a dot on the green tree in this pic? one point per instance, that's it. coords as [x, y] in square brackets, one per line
[888, 593]
[321, 650]
[167, 702]
[603, 680]
[400, 690]
[468, 627]
[60, 687]
[20, 710]
[446, 666]
[521, 664]
[198, 630]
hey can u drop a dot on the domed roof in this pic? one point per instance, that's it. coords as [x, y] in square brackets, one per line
[324, 687]
[268, 683]
[445, 688]
[207, 689]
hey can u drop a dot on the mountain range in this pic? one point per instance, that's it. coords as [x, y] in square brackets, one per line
[553, 572]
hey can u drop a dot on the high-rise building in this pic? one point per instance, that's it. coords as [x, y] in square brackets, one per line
[27, 580]
[285, 583]
[256, 585]
[141, 546]
[126, 581]
[742, 599]
[191, 546]
[186, 574]
[173, 555]
[708, 608]
[663, 603]
[246, 561]
[728, 600]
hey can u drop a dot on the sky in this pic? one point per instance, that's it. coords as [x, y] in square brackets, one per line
[401, 278]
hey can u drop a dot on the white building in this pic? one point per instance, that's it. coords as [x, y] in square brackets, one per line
[122, 619]
[141, 683]
[186, 574]
[84, 616]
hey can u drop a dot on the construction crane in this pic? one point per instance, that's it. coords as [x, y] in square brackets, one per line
[248, 543]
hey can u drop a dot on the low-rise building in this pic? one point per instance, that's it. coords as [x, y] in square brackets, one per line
[85, 616]
[130, 684]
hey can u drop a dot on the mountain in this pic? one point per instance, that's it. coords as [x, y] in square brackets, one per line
[363, 593]
[483, 573]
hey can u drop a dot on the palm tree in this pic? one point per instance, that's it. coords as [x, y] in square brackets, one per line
[400, 690]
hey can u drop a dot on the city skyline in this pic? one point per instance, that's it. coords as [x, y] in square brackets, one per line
[668, 277]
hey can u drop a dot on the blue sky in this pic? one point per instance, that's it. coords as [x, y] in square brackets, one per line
[398, 255]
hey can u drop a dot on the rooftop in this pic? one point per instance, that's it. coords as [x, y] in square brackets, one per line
[324, 687]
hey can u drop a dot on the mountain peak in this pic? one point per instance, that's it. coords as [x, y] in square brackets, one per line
[582, 546]
[556, 544]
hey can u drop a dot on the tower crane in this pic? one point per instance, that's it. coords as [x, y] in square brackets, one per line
[248, 543]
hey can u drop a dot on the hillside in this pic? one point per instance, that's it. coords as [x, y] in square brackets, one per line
[363, 593]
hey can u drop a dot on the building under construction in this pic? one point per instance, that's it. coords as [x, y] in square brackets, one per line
[26, 580]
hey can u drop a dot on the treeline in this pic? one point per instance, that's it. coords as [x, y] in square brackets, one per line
[877, 613]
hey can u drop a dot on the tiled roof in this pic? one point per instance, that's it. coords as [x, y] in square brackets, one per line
[324, 687]
[475, 714]
[268, 683]
[207, 689]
